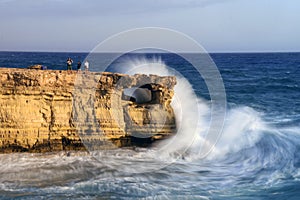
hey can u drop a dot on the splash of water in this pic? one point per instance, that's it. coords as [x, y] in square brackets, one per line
[192, 112]
[243, 127]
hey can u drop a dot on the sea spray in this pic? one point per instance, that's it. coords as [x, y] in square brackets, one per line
[243, 125]
[192, 113]
[243, 128]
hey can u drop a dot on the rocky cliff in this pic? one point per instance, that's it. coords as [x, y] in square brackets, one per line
[48, 110]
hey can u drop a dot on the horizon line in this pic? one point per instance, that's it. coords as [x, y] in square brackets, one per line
[209, 52]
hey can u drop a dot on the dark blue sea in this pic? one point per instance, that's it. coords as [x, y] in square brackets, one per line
[257, 155]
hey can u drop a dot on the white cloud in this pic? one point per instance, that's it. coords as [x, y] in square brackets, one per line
[74, 8]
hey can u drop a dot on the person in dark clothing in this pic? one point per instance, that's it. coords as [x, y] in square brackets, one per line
[79, 65]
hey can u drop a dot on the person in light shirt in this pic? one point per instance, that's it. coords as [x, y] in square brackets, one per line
[69, 63]
[86, 65]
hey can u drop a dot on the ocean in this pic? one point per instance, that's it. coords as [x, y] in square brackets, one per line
[257, 155]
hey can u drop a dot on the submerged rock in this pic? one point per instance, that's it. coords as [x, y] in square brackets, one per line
[53, 110]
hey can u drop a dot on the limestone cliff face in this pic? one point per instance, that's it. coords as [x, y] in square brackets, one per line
[48, 110]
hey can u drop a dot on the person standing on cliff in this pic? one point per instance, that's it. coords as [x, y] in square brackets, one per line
[79, 65]
[86, 65]
[69, 63]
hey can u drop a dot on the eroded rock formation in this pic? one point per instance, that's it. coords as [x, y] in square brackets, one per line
[48, 110]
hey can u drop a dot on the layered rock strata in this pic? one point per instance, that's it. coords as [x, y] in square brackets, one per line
[49, 110]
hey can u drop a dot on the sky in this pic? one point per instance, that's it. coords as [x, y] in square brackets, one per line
[218, 25]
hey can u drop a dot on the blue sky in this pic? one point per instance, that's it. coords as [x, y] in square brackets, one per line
[218, 25]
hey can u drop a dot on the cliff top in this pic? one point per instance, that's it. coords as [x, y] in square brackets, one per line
[14, 77]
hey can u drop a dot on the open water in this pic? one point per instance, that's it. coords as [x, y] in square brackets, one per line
[257, 155]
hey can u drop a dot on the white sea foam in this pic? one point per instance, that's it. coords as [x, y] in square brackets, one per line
[191, 112]
[243, 126]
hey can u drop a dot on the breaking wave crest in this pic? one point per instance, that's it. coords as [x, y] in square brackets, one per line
[245, 136]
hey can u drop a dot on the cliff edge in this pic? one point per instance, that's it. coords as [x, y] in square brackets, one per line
[51, 110]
